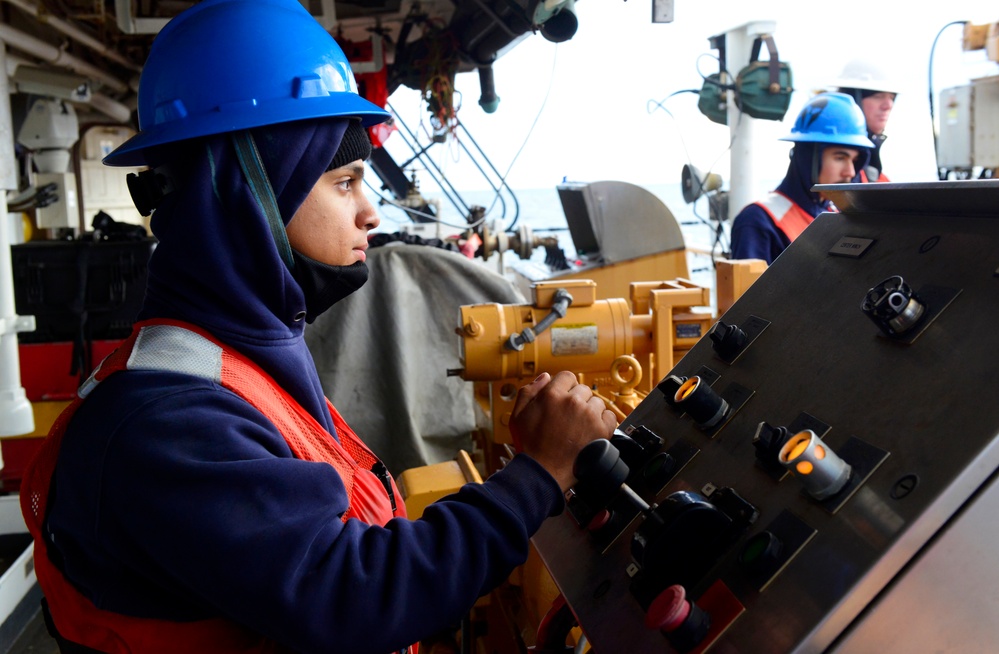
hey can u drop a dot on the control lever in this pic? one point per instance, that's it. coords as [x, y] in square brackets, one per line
[600, 472]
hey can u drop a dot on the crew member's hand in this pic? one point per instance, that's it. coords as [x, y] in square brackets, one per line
[555, 417]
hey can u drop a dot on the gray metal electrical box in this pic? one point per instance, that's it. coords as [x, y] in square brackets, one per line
[969, 127]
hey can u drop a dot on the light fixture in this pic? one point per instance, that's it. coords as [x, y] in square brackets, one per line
[695, 184]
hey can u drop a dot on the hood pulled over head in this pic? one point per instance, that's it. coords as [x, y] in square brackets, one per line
[216, 264]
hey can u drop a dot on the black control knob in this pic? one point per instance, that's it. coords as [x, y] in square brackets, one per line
[768, 440]
[636, 446]
[727, 340]
[893, 306]
[599, 471]
[640, 448]
[680, 540]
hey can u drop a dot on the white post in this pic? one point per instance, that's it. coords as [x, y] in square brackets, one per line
[742, 184]
[15, 410]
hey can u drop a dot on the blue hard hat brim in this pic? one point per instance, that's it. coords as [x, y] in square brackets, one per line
[853, 140]
[134, 151]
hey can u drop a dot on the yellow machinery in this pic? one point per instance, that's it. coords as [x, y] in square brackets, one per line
[614, 350]
[620, 347]
[733, 277]
[603, 219]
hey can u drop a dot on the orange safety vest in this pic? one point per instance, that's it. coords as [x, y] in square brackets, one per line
[788, 216]
[864, 179]
[181, 347]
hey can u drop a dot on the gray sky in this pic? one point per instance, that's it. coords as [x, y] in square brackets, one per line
[597, 123]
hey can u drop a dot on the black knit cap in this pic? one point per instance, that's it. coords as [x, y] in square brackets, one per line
[859, 94]
[354, 145]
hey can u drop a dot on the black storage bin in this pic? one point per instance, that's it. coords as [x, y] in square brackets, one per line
[80, 290]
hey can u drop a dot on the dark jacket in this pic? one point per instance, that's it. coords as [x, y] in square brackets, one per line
[754, 234]
[174, 498]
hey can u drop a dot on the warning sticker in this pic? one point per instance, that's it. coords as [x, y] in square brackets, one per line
[574, 339]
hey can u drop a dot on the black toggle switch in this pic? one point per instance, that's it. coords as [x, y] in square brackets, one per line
[727, 340]
[768, 440]
[637, 445]
[640, 449]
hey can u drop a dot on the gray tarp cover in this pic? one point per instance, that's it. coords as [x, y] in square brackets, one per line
[383, 352]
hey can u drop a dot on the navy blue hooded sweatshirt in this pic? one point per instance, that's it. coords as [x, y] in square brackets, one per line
[175, 499]
[754, 234]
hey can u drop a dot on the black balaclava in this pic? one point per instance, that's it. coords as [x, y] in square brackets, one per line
[803, 174]
[216, 264]
[325, 285]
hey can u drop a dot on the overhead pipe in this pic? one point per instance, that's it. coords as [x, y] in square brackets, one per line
[108, 106]
[74, 32]
[13, 61]
[131, 25]
[111, 108]
[57, 57]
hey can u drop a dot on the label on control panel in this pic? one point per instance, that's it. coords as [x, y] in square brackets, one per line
[574, 339]
[851, 246]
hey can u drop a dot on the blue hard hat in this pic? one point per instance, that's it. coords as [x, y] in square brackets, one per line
[227, 65]
[832, 118]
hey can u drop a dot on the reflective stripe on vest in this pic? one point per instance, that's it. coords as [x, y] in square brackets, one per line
[178, 347]
[787, 216]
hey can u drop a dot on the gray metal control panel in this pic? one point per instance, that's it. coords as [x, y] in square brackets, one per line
[817, 473]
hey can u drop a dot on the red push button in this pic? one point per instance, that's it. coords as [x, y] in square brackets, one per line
[669, 610]
[684, 624]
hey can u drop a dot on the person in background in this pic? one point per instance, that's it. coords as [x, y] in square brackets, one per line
[201, 494]
[830, 145]
[872, 89]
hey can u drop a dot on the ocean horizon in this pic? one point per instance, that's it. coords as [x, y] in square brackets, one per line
[541, 209]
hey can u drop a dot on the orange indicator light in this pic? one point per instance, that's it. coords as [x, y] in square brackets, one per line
[687, 388]
[797, 450]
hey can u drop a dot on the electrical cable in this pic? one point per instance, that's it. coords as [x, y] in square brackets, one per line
[34, 198]
[659, 104]
[551, 83]
[717, 230]
[933, 120]
[382, 200]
